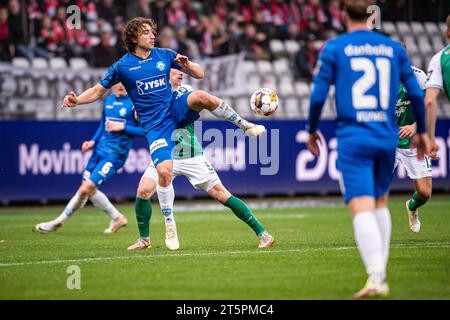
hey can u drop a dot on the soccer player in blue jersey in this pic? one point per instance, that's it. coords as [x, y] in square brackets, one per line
[109, 155]
[145, 73]
[366, 69]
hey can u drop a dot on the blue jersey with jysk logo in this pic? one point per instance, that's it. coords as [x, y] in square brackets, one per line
[147, 84]
[117, 144]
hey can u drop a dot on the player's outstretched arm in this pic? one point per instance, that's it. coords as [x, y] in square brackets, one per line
[115, 126]
[90, 95]
[191, 68]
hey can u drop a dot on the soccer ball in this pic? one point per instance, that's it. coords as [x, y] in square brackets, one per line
[264, 101]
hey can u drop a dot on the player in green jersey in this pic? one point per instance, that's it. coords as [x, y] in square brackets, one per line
[417, 170]
[189, 162]
[438, 79]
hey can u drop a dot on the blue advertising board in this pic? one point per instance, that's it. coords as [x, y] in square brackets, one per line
[43, 161]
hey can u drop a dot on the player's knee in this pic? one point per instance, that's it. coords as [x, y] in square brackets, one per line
[165, 176]
[220, 194]
[145, 192]
[424, 192]
[203, 99]
[86, 189]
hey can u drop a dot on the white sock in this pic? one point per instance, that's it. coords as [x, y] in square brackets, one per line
[224, 111]
[384, 225]
[166, 197]
[74, 204]
[101, 201]
[370, 244]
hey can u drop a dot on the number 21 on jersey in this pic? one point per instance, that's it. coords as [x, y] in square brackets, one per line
[360, 99]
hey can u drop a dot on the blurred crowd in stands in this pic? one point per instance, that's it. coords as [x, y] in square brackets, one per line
[197, 28]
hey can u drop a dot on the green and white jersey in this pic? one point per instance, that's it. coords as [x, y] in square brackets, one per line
[403, 107]
[187, 144]
[439, 71]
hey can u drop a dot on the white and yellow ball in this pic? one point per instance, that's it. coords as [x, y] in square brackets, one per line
[264, 101]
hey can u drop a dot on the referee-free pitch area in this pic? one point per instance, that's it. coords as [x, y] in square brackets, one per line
[314, 256]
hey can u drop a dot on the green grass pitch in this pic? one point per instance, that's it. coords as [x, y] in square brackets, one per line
[314, 256]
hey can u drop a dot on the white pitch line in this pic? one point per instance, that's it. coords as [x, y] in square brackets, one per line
[204, 254]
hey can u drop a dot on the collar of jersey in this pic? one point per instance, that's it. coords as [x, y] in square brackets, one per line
[143, 58]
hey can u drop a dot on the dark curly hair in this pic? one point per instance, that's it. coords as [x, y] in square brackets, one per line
[133, 29]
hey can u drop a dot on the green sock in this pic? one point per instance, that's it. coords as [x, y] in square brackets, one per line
[243, 212]
[143, 209]
[416, 202]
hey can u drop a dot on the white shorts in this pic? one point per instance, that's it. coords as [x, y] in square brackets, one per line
[197, 170]
[415, 168]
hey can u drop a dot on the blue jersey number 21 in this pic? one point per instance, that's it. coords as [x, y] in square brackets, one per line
[368, 79]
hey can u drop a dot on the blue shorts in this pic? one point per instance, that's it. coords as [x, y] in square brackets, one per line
[162, 140]
[366, 169]
[100, 168]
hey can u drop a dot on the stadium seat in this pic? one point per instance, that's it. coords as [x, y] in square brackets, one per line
[39, 63]
[389, 28]
[403, 28]
[281, 66]
[277, 47]
[249, 66]
[443, 27]
[301, 88]
[78, 63]
[431, 28]
[286, 88]
[242, 106]
[264, 66]
[253, 83]
[424, 44]
[269, 81]
[57, 63]
[292, 47]
[437, 43]
[291, 108]
[20, 62]
[417, 28]
[410, 44]
[417, 61]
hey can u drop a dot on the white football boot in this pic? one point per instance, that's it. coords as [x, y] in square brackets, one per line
[115, 225]
[413, 217]
[265, 240]
[172, 242]
[254, 130]
[47, 227]
[373, 289]
[140, 244]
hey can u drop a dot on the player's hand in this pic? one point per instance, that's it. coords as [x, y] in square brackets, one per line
[70, 100]
[423, 145]
[434, 151]
[313, 143]
[87, 145]
[182, 61]
[114, 126]
[407, 131]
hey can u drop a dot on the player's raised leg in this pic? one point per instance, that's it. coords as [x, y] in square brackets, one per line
[77, 202]
[199, 100]
[101, 201]
[243, 212]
